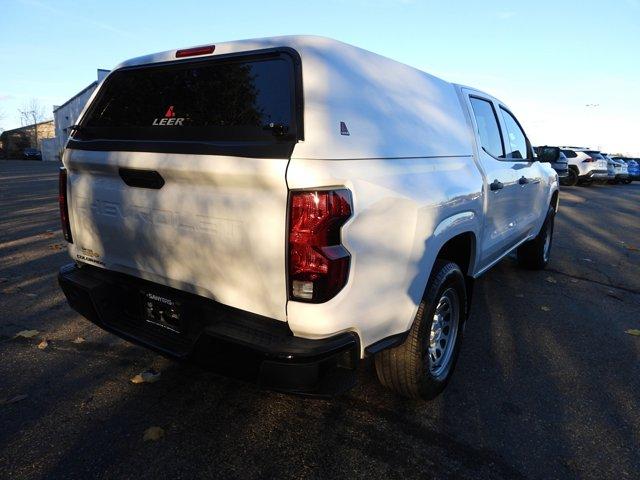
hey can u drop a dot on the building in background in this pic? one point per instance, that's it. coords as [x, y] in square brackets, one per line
[15, 141]
[67, 114]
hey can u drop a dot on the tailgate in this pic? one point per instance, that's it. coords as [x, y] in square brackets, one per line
[176, 174]
[216, 227]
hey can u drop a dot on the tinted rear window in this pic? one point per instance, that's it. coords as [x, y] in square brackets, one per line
[230, 101]
[569, 153]
[595, 155]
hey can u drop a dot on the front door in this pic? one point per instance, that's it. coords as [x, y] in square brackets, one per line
[528, 170]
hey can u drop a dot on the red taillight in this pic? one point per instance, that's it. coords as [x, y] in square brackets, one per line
[318, 263]
[62, 202]
[589, 159]
[191, 52]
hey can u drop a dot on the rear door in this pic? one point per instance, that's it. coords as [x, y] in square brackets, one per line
[501, 228]
[177, 175]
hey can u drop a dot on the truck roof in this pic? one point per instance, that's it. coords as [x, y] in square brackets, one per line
[390, 109]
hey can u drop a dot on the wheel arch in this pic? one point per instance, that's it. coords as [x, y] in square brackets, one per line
[461, 250]
[555, 200]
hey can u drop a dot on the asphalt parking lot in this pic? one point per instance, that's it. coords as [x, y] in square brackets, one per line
[547, 385]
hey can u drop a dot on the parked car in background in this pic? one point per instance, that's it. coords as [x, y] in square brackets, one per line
[613, 168]
[31, 154]
[201, 225]
[621, 169]
[585, 166]
[611, 171]
[555, 157]
[633, 167]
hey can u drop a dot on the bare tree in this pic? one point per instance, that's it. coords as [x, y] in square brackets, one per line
[32, 113]
[1, 118]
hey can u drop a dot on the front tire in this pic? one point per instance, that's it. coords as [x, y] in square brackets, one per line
[534, 254]
[423, 364]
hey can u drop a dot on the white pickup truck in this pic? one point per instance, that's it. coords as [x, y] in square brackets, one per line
[279, 209]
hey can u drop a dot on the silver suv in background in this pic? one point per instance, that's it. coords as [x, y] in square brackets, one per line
[621, 170]
[611, 170]
[585, 166]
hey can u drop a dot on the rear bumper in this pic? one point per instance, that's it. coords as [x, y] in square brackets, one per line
[597, 174]
[220, 338]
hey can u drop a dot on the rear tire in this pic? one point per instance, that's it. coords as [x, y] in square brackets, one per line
[535, 254]
[422, 365]
[571, 179]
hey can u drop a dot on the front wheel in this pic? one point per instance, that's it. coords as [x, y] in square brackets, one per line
[534, 254]
[423, 364]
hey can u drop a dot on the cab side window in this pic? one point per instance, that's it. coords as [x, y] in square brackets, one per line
[488, 129]
[516, 139]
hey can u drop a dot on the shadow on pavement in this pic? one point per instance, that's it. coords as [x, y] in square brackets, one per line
[547, 383]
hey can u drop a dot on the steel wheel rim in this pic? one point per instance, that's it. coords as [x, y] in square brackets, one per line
[547, 245]
[443, 333]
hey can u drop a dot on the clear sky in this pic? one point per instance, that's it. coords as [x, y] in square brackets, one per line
[546, 59]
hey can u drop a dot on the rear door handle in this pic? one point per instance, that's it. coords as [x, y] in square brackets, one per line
[141, 178]
[523, 181]
[496, 185]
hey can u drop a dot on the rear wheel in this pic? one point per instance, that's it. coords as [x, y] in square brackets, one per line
[534, 254]
[571, 179]
[423, 364]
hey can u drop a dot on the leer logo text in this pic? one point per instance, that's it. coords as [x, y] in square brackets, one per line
[169, 118]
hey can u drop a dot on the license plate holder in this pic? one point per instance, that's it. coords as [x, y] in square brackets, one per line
[162, 311]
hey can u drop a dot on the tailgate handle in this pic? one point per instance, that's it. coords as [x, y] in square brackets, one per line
[141, 178]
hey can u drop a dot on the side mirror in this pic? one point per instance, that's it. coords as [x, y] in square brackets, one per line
[548, 154]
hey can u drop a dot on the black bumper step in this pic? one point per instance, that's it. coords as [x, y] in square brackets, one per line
[223, 339]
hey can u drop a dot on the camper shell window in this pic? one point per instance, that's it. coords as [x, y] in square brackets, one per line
[236, 104]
